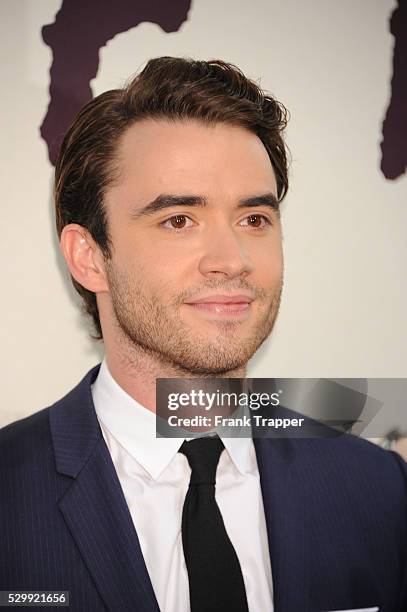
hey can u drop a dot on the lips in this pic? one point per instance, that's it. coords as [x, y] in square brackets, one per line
[223, 299]
[222, 304]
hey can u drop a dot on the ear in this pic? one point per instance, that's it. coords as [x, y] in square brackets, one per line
[83, 257]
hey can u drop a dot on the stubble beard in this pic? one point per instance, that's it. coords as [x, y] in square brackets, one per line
[157, 330]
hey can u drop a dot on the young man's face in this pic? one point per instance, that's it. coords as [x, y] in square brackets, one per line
[196, 271]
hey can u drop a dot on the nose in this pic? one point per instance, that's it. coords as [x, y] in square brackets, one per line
[225, 253]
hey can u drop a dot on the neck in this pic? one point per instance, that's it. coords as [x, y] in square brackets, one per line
[136, 370]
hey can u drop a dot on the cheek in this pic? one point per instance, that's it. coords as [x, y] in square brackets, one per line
[269, 264]
[155, 274]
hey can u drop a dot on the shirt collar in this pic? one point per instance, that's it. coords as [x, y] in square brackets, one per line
[134, 428]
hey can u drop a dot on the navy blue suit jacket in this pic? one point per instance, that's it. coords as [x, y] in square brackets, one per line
[336, 514]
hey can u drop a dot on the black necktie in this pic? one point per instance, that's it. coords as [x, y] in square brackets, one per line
[214, 573]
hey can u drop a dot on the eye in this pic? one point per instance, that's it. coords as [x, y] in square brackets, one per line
[256, 221]
[177, 222]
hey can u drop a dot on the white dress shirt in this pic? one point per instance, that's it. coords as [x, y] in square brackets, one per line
[155, 478]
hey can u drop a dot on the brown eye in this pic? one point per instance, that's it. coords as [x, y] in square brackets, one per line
[178, 222]
[255, 220]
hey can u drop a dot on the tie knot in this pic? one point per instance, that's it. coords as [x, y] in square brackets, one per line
[203, 457]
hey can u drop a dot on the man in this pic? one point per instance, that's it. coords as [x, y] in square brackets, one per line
[167, 206]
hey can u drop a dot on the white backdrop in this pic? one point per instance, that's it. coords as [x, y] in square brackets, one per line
[345, 299]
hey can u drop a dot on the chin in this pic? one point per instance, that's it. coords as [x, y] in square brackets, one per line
[215, 363]
[210, 370]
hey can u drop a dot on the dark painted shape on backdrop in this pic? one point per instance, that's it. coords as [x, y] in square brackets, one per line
[394, 143]
[81, 28]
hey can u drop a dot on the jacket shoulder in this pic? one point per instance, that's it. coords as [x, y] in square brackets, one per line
[29, 439]
[356, 462]
[25, 440]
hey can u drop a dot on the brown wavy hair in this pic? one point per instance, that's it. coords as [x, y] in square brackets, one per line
[169, 88]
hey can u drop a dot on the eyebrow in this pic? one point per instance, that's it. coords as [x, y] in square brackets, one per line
[167, 201]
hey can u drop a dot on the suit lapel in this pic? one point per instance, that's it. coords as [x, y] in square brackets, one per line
[94, 506]
[283, 490]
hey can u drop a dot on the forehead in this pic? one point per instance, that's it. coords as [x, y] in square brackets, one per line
[161, 156]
